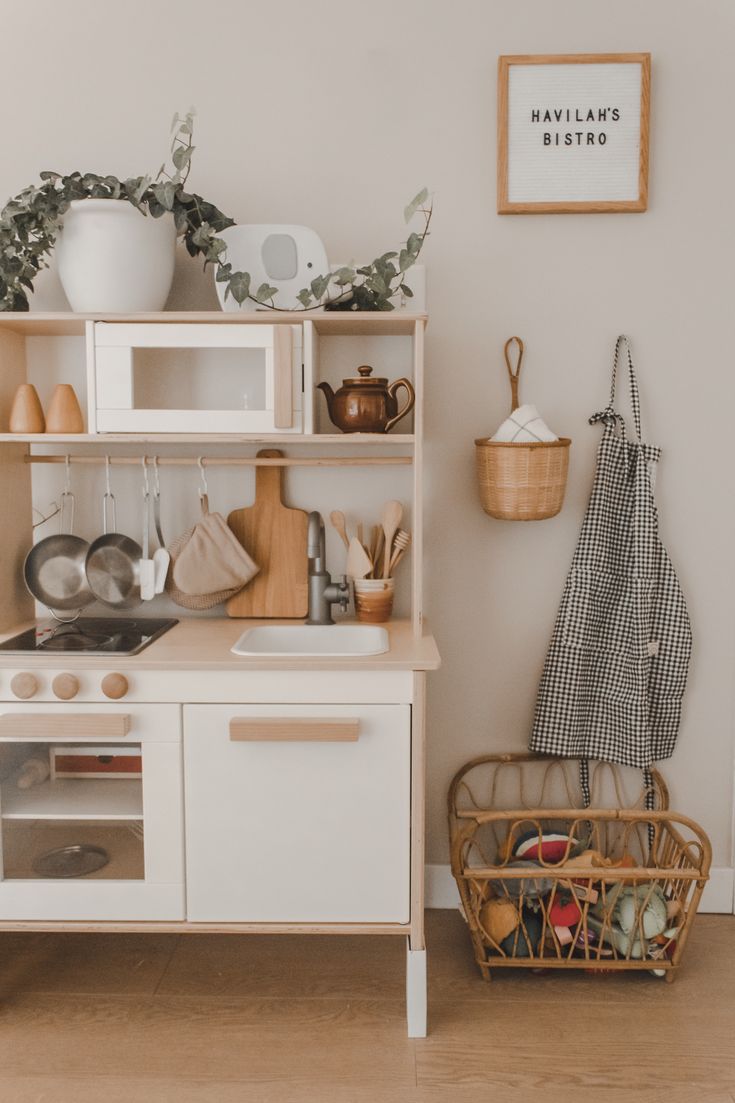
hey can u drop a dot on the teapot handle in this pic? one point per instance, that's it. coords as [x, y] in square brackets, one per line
[393, 387]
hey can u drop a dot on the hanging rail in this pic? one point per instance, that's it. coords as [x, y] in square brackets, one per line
[231, 461]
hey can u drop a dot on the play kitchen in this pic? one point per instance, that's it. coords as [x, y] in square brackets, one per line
[227, 641]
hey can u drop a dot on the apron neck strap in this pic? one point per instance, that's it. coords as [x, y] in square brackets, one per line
[608, 415]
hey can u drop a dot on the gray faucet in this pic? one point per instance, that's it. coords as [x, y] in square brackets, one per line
[323, 593]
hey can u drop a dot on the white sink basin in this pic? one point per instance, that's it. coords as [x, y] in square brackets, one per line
[307, 640]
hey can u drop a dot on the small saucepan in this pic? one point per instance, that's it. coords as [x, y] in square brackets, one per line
[54, 569]
[113, 560]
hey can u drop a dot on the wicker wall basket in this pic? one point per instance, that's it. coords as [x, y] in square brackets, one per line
[619, 892]
[521, 481]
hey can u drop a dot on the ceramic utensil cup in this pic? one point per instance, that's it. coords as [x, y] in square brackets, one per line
[374, 599]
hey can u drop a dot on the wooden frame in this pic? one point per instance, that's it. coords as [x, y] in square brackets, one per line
[563, 205]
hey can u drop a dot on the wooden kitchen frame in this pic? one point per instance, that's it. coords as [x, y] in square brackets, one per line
[575, 130]
[261, 712]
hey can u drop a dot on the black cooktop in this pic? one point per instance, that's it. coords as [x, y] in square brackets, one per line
[90, 636]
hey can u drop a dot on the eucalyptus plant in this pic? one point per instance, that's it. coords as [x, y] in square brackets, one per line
[30, 223]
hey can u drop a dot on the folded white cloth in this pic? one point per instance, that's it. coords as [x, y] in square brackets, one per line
[524, 425]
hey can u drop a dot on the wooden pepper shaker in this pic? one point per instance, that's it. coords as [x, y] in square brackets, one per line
[64, 414]
[26, 414]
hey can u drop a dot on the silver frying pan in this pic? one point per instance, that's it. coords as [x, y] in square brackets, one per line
[113, 562]
[54, 569]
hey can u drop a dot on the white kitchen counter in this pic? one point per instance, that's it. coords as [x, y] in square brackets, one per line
[203, 644]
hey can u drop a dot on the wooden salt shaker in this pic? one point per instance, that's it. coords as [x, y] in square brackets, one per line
[64, 414]
[26, 414]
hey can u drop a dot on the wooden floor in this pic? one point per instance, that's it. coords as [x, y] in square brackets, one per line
[225, 1019]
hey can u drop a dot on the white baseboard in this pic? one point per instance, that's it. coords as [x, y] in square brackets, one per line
[441, 890]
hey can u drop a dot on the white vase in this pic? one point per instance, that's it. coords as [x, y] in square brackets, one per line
[114, 260]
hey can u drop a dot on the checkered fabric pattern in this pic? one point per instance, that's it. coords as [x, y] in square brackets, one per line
[616, 668]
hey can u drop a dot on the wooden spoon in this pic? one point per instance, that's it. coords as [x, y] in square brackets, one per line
[392, 514]
[359, 564]
[338, 522]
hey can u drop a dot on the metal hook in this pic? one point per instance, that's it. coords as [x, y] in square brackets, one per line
[204, 489]
[107, 475]
[156, 481]
[67, 474]
[146, 484]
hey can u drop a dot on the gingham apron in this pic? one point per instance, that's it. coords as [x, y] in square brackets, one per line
[616, 668]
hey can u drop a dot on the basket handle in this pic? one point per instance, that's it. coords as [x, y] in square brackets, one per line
[514, 376]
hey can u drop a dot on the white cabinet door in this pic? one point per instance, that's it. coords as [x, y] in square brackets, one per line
[297, 813]
[137, 820]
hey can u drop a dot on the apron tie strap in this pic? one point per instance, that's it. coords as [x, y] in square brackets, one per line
[610, 419]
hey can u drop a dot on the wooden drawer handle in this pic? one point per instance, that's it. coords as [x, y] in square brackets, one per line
[272, 729]
[53, 726]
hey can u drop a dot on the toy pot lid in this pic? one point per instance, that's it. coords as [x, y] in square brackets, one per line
[366, 379]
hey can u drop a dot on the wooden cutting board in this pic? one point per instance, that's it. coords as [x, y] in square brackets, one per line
[276, 537]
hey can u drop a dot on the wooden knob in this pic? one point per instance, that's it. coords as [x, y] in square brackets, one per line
[114, 686]
[65, 686]
[24, 685]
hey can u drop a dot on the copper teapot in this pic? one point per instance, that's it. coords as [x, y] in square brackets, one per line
[367, 405]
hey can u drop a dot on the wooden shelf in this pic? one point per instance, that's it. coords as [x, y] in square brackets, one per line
[74, 799]
[350, 323]
[208, 438]
[234, 461]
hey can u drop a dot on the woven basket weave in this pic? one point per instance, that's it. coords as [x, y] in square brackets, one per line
[521, 481]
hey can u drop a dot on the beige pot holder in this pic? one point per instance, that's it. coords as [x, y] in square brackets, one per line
[208, 563]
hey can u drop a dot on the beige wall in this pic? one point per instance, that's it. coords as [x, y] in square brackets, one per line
[333, 115]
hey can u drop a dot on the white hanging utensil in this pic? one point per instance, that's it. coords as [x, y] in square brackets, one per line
[161, 556]
[147, 575]
[359, 564]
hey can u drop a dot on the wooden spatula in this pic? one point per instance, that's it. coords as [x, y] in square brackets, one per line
[337, 518]
[359, 564]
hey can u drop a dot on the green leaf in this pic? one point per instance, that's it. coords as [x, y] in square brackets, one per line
[239, 287]
[319, 286]
[377, 283]
[165, 194]
[406, 290]
[343, 276]
[414, 244]
[265, 292]
[304, 297]
[416, 202]
[202, 236]
[181, 156]
[223, 273]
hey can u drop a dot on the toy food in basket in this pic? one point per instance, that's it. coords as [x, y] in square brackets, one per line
[568, 887]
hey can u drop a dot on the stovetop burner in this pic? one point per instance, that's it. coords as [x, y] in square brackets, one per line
[90, 636]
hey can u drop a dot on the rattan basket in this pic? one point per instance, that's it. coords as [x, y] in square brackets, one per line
[652, 858]
[521, 481]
